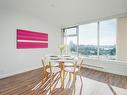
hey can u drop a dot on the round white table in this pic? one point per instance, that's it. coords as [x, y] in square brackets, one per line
[61, 62]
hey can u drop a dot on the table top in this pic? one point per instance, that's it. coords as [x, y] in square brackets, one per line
[58, 59]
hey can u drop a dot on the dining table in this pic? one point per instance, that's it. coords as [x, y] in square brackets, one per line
[61, 62]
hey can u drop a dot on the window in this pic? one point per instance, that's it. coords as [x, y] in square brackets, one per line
[96, 40]
[70, 32]
[70, 40]
[107, 48]
[88, 40]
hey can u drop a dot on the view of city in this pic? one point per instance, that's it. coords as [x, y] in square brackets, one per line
[105, 52]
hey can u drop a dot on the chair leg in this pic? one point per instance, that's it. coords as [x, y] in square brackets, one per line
[61, 79]
[69, 76]
[50, 85]
[51, 82]
[62, 73]
[44, 76]
[74, 81]
[74, 76]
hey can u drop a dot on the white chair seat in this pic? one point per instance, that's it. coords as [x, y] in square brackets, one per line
[68, 64]
[54, 70]
[54, 64]
[70, 69]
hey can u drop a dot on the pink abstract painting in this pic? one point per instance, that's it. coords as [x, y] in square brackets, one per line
[31, 39]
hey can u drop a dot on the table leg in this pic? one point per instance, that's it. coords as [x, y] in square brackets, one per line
[62, 73]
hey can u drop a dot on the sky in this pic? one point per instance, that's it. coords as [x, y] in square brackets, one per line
[88, 33]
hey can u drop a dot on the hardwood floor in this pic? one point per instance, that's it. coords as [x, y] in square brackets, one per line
[91, 82]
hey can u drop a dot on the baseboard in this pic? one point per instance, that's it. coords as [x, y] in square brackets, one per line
[17, 73]
[93, 67]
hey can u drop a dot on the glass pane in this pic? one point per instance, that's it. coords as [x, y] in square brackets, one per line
[88, 40]
[71, 43]
[107, 48]
[70, 31]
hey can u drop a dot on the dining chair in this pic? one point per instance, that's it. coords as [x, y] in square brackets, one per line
[75, 66]
[45, 67]
[74, 69]
[49, 71]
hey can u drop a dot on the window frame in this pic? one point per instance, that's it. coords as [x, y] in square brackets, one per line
[73, 35]
[98, 37]
[70, 34]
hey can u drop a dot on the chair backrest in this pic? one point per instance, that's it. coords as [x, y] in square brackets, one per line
[43, 62]
[80, 62]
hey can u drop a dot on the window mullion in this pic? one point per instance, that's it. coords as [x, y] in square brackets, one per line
[77, 29]
[98, 38]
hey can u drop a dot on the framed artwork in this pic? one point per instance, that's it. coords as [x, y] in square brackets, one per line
[30, 39]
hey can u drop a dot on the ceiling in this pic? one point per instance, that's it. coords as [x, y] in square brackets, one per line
[68, 12]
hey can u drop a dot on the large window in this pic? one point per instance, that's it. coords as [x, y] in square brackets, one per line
[107, 48]
[96, 40]
[70, 39]
[88, 40]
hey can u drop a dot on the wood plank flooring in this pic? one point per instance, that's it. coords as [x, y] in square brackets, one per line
[91, 82]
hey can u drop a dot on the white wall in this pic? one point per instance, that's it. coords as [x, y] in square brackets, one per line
[122, 39]
[12, 60]
[116, 67]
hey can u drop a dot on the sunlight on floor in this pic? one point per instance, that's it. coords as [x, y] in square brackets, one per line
[82, 86]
